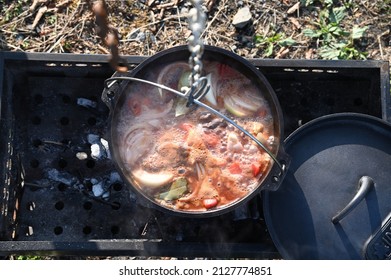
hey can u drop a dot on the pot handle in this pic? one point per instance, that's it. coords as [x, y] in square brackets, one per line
[110, 93]
[365, 184]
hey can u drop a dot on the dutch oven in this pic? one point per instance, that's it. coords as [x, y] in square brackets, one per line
[115, 95]
[335, 200]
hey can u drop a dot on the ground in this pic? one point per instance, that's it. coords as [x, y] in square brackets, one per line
[290, 29]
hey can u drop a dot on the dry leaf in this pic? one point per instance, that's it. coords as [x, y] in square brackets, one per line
[150, 3]
[293, 9]
[209, 4]
[282, 52]
[295, 22]
[36, 3]
[38, 16]
[309, 54]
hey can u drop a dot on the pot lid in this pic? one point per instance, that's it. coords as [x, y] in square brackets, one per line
[334, 159]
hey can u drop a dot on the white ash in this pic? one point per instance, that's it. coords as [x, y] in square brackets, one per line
[106, 195]
[96, 152]
[81, 155]
[93, 138]
[62, 177]
[105, 145]
[99, 147]
[101, 186]
[97, 189]
[115, 178]
[84, 102]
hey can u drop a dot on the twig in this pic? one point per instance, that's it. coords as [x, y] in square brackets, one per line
[36, 3]
[165, 5]
[150, 3]
[11, 46]
[211, 22]
[27, 184]
[209, 4]
[38, 16]
[179, 17]
[61, 36]
[380, 46]
[63, 4]
[56, 43]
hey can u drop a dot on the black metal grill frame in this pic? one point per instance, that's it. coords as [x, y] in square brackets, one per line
[38, 94]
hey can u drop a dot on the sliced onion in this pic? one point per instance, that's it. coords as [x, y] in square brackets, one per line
[251, 105]
[184, 80]
[211, 94]
[233, 108]
[152, 180]
[171, 74]
[149, 114]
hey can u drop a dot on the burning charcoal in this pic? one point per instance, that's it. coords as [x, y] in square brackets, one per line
[86, 103]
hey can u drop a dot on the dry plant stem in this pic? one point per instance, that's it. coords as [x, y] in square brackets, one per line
[150, 3]
[39, 15]
[166, 5]
[211, 22]
[36, 4]
[63, 4]
[380, 47]
[63, 34]
[209, 4]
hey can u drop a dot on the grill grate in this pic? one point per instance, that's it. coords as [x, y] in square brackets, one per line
[60, 197]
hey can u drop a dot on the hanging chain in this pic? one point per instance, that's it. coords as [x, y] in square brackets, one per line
[199, 84]
[197, 20]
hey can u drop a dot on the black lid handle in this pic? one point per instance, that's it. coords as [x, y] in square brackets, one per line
[364, 186]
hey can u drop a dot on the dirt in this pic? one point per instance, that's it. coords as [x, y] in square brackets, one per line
[148, 26]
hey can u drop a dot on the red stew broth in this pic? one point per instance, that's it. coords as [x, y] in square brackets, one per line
[195, 161]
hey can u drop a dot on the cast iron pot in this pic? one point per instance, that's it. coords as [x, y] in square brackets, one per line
[335, 200]
[114, 97]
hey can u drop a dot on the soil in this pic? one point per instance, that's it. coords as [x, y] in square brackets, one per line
[148, 26]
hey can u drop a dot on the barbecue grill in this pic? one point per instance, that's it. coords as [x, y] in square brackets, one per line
[61, 194]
